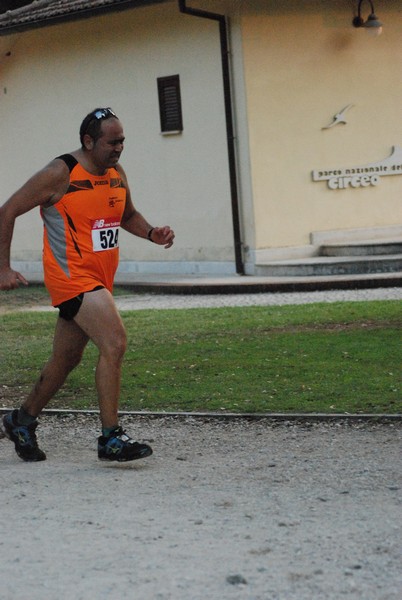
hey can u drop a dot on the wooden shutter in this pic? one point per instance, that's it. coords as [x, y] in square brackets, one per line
[170, 104]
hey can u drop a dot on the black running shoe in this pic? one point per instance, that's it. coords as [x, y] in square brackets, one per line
[24, 438]
[119, 446]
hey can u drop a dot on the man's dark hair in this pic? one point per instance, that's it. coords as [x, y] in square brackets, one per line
[92, 123]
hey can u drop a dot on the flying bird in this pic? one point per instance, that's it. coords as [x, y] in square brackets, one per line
[339, 117]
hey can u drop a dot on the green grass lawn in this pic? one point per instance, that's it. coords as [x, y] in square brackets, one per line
[332, 358]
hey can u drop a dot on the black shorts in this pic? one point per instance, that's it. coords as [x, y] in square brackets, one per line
[69, 309]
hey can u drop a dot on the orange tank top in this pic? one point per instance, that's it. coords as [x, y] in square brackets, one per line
[81, 233]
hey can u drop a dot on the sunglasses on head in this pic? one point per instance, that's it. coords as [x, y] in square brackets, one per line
[96, 115]
[103, 113]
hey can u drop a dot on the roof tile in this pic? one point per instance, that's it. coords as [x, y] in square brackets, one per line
[44, 12]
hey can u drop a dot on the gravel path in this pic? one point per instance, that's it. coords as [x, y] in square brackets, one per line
[142, 301]
[223, 510]
[264, 299]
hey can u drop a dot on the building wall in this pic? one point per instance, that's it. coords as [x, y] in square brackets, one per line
[303, 63]
[294, 65]
[54, 76]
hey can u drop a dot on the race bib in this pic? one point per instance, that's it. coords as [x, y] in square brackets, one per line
[105, 234]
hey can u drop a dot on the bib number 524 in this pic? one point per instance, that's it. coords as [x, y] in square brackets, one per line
[105, 235]
[109, 238]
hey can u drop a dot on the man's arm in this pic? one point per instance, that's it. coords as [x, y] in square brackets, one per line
[135, 223]
[45, 187]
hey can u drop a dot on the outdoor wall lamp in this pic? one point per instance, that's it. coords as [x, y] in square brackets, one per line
[372, 25]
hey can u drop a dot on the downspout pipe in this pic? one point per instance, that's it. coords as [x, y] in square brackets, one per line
[223, 32]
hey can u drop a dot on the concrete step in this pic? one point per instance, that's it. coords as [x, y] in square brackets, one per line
[322, 266]
[174, 283]
[362, 248]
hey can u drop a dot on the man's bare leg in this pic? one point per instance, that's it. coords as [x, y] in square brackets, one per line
[100, 321]
[68, 345]
[19, 426]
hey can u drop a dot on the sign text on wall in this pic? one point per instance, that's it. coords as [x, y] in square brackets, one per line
[365, 176]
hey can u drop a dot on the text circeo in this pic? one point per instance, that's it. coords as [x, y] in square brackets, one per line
[356, 181]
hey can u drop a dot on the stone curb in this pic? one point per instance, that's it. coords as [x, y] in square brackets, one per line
[258, 285]
[295, 417]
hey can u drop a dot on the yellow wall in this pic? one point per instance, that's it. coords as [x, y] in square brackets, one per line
[304, 62]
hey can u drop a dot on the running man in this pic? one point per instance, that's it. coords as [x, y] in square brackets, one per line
[84, 199]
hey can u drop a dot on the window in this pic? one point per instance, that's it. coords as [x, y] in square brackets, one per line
[170, 104]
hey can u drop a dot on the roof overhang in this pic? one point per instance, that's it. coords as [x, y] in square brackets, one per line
[42, 13]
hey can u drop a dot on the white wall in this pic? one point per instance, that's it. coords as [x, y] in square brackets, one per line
[55, 75]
